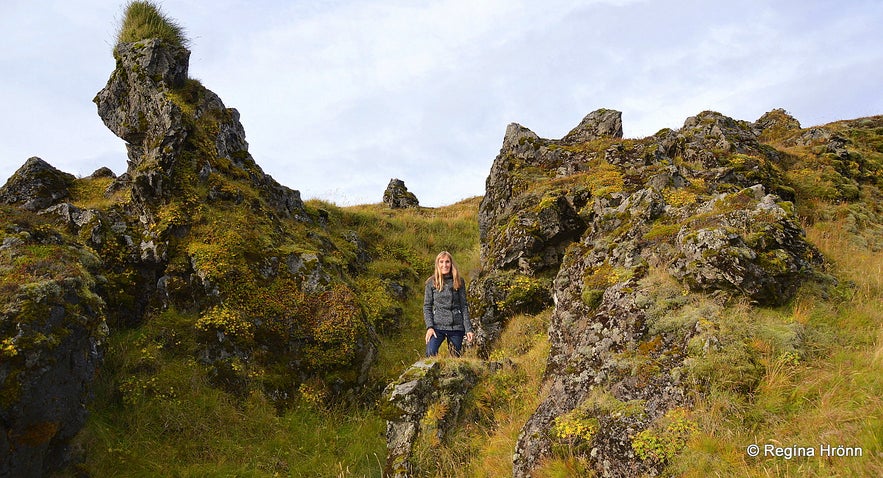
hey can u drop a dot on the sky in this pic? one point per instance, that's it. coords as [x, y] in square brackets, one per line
[338, 97]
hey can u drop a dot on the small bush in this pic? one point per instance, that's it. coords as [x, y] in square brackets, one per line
[666, 437]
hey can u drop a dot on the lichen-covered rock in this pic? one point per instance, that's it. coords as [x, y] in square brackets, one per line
[51, 329]
[404, 404]
[397, 196]
[177, 131]
[136, 104]
[526, 228]
[36, 185]
[757, 249]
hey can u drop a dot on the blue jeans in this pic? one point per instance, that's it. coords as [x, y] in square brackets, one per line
[455, 338]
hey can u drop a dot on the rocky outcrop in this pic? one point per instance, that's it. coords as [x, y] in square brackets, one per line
[194, 225]
[137, 105]
[588, 223]
[525, 229]
[36, 185]
[397, 195]
[405, 402]
[176, 131]
[775, 123]
[596, 124]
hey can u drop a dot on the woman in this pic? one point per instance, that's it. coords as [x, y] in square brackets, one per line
[444, 307]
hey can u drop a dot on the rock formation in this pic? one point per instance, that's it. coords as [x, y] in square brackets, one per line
[397, 195]
[588, 224]
[404, 404]
[195, 227]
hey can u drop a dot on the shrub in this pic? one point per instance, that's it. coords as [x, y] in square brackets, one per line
[666, 437]
[574, 430]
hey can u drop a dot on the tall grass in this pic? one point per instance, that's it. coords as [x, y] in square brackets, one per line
[144, 19]
[831, 395]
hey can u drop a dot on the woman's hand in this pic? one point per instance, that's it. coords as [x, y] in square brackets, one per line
[430, 332]
[469, 337]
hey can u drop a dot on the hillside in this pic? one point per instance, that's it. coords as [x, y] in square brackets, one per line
[656, 306]
[643, 306]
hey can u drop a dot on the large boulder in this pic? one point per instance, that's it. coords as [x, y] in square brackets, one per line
[405, 402]
[757, 250]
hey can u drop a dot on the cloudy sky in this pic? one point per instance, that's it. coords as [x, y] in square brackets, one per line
[338, 97]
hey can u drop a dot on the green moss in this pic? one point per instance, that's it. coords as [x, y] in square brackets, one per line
[524, 294]
[662, 232]
[592, 297]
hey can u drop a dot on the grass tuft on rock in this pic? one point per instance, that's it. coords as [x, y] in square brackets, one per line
[144, 19]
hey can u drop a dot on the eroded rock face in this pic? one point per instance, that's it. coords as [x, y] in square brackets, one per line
[167, 121]
[136, 105]
[590, 222]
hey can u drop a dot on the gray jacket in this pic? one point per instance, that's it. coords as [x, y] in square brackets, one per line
[446, 309]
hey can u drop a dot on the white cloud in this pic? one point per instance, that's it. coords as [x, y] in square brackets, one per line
[338, 97]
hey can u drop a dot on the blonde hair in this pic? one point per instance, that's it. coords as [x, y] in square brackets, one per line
[437, 277]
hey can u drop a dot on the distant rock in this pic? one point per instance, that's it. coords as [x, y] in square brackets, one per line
[36, 185]
[103, 172]
[777, 121]
[397, 195]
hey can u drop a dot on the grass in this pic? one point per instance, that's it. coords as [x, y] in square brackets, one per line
[189, 428]
[828, 396]
[144, 19]
[89, 193]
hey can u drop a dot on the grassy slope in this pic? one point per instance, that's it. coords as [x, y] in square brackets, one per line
[171, 422]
